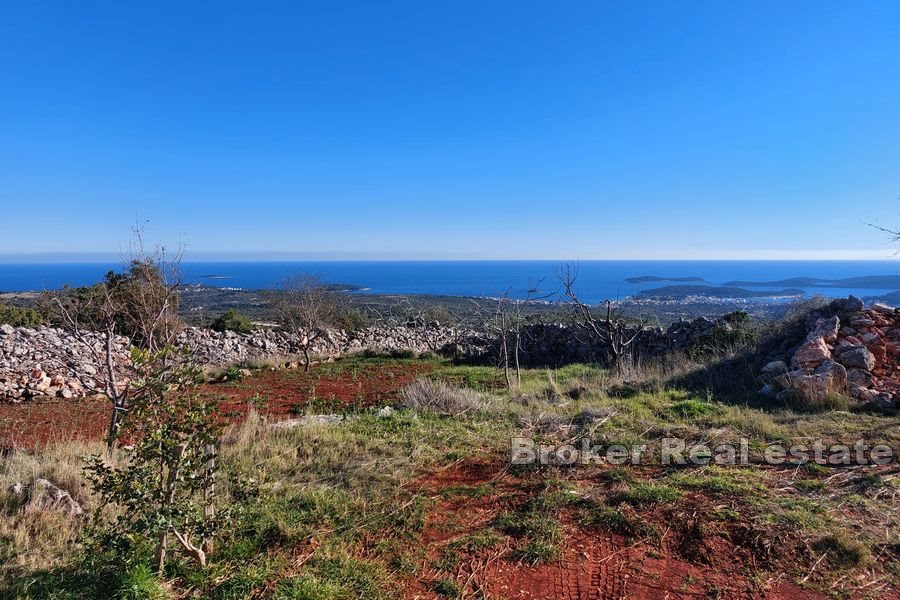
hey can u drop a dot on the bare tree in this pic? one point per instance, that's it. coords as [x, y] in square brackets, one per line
[506, 319]
[609, 330]
[893, 234]
[141, 302]
[307, 308]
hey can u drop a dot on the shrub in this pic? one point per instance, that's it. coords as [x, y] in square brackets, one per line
[165, 488]
[440, 398]
[232, 320]
[18, 316]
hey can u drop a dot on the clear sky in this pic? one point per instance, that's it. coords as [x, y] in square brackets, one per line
[463, 129]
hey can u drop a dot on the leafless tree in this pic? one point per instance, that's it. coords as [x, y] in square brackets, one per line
[141, 302]
[505, 318]
[307, 308]
[608, 330]
[893, 234]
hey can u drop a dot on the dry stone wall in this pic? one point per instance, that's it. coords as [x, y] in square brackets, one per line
[52, 362]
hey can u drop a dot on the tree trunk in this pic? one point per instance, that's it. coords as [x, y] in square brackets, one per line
[209, 509]
[518, 366]
[112, 435]
[159, 561]
[305, 359]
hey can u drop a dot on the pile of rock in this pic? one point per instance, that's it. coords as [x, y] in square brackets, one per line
[853, 350]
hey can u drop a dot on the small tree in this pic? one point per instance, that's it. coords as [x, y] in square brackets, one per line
[307, 308]
[609, 331]
[166, 487]
[232, 320]
[506, 318]
[141, 302]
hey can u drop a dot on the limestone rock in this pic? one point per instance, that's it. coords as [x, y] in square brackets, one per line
[811, 354]
[857, 358]
[827, 329]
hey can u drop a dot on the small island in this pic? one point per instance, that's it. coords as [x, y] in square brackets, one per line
[656, 279]
[680, 292]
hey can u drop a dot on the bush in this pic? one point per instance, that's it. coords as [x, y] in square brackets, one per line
[232, 320]
[19, 317]
[441, 399]
[734, 331]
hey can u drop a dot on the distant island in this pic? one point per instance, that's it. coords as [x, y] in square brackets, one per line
[679, 292]
[867, 281]
[655, 279]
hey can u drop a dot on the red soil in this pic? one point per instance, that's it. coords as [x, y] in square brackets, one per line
[326, 388]
[594, 564]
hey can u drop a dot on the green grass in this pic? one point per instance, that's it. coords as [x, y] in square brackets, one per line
[843, 552]
[719, 480]
[645, 494]
[349, 497]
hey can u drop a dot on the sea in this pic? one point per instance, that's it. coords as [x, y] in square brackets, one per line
[597, 280]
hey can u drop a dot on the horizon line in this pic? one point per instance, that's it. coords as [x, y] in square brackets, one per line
[275, 256]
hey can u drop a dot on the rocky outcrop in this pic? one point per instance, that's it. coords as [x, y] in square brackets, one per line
[849, 350]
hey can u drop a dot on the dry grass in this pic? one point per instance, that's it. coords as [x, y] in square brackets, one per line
[31, 538]
[441, 399]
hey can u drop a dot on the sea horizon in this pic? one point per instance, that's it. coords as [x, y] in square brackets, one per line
[598, 279]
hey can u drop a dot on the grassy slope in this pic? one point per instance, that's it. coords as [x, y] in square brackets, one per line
[375, 507]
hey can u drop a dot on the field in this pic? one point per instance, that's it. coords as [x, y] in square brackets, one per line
[423, 501]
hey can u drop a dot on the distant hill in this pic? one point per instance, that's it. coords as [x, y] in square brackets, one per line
[654, 279]
[892, 299]
[867, 281]
[682, 291]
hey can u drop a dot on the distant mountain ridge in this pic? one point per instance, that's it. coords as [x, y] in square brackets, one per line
[682, 291]
[866, 281]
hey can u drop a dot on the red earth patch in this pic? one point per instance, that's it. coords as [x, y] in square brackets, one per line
[594, 564]
[282, 394]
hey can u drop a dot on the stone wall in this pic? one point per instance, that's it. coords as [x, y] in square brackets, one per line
[52, 362]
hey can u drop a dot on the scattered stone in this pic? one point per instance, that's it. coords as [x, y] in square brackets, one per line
[864, 356]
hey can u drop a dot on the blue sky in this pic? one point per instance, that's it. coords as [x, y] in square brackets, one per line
[483, 129]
